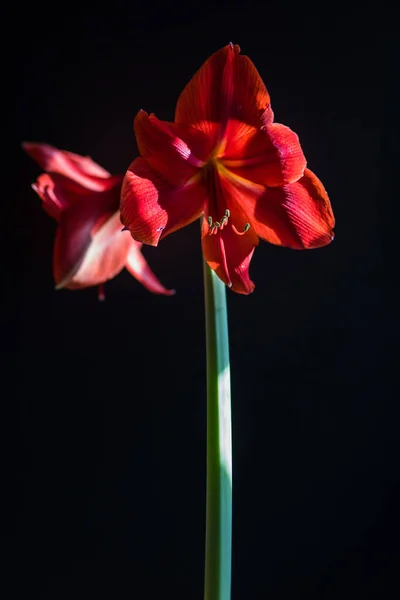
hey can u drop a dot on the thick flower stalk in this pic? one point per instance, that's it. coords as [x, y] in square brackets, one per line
[90, 246]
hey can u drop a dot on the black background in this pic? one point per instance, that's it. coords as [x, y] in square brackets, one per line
[106, 443]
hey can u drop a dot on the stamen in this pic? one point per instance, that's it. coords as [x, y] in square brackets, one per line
[246, 228]
[214, 226]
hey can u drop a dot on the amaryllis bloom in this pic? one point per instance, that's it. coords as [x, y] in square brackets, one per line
[90, 246]
[225, 158]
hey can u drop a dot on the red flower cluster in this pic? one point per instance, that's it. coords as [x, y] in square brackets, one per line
[84, 198]
[226, 159]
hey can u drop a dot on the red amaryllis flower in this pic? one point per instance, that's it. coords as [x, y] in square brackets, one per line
[90, 247]
[226, 159]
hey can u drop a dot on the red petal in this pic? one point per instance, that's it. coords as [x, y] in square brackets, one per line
[228, 251]
[138, 267]
[53, 203]
[297, 215]
[227, 86]
[81, 169]
[300, 213]
[175, 151]
[151, 208]
[229, 255]
[271, 157]
[60, 193]
[86, 254]
[84, 216]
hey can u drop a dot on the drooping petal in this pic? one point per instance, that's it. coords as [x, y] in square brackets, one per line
[137, 266]
[228, 249]
[229, 255]
[176, 152]
[271, 156]
[227, 86]
[152, 209]
[88, 252]
[81, 169]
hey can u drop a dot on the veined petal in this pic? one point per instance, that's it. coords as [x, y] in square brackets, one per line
[81, 169]
[252, 103]
[175, 151]
[270, 157]
[137, 266]
[300, 213]
[297, 215]
[151, 208]
[227, 86]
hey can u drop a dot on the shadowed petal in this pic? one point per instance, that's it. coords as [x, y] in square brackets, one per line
[152, 209]
[137, 266]
[88, 250]
[60, 193]
[175, 151]
[270, 157]
[227, 86]
[81, 169]
[54, 201]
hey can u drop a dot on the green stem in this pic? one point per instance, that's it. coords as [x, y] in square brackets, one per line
[217, 584]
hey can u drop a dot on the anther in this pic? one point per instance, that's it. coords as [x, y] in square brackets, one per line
[210, 221]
